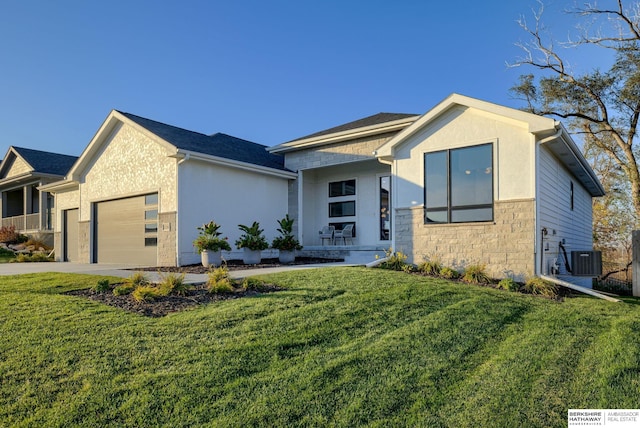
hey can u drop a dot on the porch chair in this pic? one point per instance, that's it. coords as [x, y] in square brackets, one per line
[327, 233]
[344, 234]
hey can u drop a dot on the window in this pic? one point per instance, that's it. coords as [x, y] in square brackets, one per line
[151, 220]
[385, 208]
[459, 185]
[571, 195]
[342, 209]
[342, 188]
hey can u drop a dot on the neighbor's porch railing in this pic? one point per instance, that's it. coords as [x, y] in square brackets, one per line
[23, 222]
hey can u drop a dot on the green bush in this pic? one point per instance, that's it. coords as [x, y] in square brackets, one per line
[395, 261]
[475, 274]
[449, 273]
[539, 286]
[137, 279]
[218, 280]
[5, 252]
[102, 286]
[254, 284]
[508, 284]
[430, 267]
[123, 289]
[146, 293]
[173, 283]
[26, 258]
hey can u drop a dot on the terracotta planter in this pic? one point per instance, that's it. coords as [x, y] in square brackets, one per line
[251, 257]
[286, 256]
[211, 258]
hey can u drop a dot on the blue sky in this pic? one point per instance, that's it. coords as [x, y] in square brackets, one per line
[266, 71]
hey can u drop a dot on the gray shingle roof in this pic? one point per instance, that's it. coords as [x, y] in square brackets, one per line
[47, 162]
[375, 119]
[220, 145]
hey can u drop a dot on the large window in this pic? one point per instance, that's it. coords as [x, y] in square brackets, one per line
[459, 185]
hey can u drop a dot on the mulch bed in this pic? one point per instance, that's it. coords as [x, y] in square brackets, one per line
[197, 295]
[238, 265]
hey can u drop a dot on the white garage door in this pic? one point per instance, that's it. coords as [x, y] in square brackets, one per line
[126, 230]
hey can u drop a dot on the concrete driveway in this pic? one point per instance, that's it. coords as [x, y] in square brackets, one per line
[124, 271]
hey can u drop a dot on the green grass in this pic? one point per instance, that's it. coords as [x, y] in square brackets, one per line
[338, 347]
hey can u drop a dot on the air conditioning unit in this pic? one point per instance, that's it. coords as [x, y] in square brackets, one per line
[586, 263]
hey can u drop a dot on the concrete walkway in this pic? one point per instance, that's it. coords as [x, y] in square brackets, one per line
[124, 271]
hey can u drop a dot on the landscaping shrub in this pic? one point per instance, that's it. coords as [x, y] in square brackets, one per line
[449, 273]
[102, 286]
[173, 283]
[137, 279]
[6, 252]
[254, 284]
[475, 274]
[508, 284]
[123, 289]
[430, 267]
[146, 293]
[8, 234]
[37, 243]
[395, 261]
[36, 257]
[218, 280]
[539, 286]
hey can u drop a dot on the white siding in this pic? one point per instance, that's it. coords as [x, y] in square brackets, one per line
[230, 197]
[556, 215]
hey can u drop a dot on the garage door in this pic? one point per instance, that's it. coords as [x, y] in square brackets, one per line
[126, 230]
[70, 235]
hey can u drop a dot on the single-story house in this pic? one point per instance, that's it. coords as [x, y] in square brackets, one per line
[25, 207]
[140, 189]
[468, 182]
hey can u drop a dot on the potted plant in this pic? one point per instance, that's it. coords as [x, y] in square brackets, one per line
[286, 243]
[253, 242]
[210, 245]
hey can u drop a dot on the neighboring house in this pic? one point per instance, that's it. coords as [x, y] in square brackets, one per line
[24, 206]
[468, 182]
[141, 188]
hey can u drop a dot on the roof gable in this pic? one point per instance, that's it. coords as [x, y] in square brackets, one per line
[20, 160]
[534, 123]
[371, 125]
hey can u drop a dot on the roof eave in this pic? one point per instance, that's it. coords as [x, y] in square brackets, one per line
[566, 150]
[59, 186]
[246, 166]
[337, 137]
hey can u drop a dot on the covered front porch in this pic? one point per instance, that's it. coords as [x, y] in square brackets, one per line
[27, 209]
[345, 209]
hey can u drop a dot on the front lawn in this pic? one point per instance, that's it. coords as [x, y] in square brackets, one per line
[339, 346]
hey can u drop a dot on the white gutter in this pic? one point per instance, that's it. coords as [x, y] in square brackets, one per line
[579, 288]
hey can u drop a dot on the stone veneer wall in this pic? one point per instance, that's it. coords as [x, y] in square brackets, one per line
[57, 245]
[84, 242]
[506, 246]
[167, 239]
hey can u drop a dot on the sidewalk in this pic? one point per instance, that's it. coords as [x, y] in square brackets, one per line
[124, 271]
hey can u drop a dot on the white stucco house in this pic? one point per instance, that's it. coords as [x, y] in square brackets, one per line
[468, 182]
[140, 189]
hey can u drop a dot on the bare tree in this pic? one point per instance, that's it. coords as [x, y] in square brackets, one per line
[603, 107]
